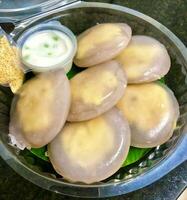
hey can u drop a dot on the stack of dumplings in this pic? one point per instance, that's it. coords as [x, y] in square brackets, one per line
[90, 122]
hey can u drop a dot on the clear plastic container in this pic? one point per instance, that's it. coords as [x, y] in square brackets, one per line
[23, 5]
[14, 10]
[78, 17]
[65, 63]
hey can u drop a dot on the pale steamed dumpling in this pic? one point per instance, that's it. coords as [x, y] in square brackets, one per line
[93, 150]
[96, 90]
[101, 43]
[39, 110]
[152, 112]
[144, 60]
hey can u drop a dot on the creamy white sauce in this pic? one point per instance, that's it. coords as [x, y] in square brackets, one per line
[46, 49]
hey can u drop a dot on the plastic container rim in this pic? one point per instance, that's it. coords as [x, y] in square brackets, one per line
[166, 164]
[41, 5]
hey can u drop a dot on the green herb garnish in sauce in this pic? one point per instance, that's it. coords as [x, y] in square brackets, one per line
[55, 38]
[26, 57]
[46, 45]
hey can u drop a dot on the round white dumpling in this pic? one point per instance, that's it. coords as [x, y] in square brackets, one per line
[96, 90]
[101, 43]
[152, 112]
[39, 110]
[93, 150]
[144, 60]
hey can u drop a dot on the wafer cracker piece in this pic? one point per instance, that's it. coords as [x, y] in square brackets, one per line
[10, 72]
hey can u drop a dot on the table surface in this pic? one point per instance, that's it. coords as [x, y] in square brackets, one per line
[171, 13]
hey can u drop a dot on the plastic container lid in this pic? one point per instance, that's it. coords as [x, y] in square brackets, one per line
[13, 10]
